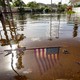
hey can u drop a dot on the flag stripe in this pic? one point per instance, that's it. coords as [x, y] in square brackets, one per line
[37, 61]
[42, 64]
[46, 58]
[51, 59]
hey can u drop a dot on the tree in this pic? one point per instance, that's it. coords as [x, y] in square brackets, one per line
[33, 5]
[59, 7]
[0, 2]
[19, 3]
[63, 7]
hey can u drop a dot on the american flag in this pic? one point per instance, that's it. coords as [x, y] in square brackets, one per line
[46, 57]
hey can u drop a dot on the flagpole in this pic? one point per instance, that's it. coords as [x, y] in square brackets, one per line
[34, 48]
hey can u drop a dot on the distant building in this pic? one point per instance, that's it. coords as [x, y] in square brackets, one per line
[76, 5]
[75, 2]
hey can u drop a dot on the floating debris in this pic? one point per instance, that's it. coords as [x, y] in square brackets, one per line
[65, 51]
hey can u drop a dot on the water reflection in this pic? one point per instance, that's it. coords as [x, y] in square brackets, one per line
[16, 52]
[41, 25]
[19, 64]
[34, 16]
[11, 29]
[19, 55]
[30, 26]
[8, 37]
[54, 29]
[50, 27]
[42, 62]
[75, 30]
[58, 18]
[21, 21]
[22, 77]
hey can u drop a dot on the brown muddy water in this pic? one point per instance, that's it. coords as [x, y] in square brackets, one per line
[20, 61]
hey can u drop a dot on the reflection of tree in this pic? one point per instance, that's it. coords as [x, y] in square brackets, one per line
[20, 37]
[12, 60]
[12, 38]
[33, 16]
[19, 53]
[20, 4]
[13, 33]
[75, 30]
[58, 17]
[6, 41]
[4, 28]
[21, 77]
[18, 76]
[22, 18]
[7, 19]
[19, 64]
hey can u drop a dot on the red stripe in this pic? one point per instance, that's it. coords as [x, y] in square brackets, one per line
[35, 52]
[42, 64]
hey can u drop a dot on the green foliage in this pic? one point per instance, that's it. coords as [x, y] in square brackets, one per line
[59, 4]
[2, 3]
[64, 6]
[21, 10]
[19, 3]
[33, 5]
[61, 7]
[70, 12]
[36, 7]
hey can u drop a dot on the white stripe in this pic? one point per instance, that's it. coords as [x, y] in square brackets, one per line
[37, 54]
[45, 53]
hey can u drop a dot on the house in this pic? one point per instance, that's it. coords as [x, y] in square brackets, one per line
[75, 2]
[76, 5]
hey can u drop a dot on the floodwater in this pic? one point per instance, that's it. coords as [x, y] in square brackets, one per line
[24, 58]
[46, 26]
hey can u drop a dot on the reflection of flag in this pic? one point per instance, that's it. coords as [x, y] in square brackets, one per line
[46, 57]
[54, 51]
[39, 58]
